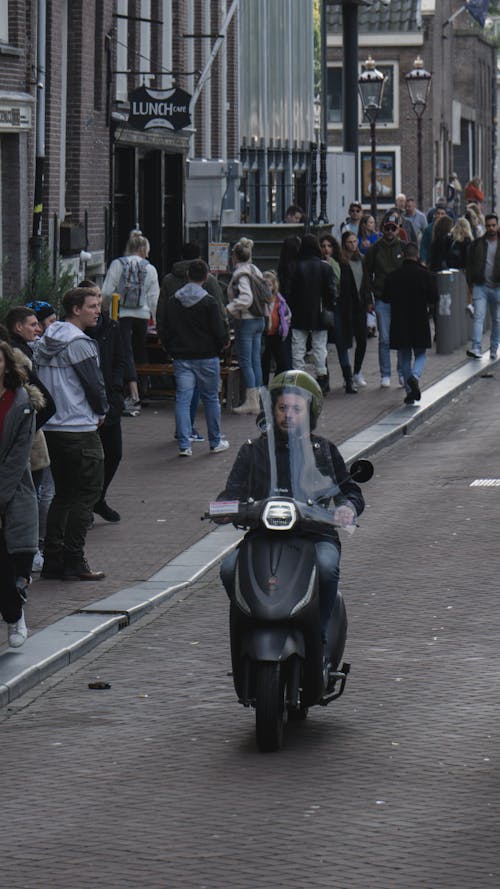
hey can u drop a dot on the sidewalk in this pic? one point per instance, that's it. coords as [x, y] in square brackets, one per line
[161, 499]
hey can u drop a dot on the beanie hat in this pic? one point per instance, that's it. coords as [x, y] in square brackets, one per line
[41, 309]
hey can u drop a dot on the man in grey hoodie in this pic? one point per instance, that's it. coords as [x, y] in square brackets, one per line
[194, 334]
[68, 364]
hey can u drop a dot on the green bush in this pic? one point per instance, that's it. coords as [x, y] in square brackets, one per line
[41, 283]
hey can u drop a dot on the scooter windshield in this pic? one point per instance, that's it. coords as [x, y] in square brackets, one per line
[295, 460]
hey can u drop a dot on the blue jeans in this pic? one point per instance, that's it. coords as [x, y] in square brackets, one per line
[383, 313]
[404, 360]
[204, 373]
[248, 333]
[328, 556]
[483, 295]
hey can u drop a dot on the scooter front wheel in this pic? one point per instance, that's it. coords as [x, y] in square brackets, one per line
[270, 705]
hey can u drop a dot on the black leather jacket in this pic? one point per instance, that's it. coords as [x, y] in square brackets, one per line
[250, 474]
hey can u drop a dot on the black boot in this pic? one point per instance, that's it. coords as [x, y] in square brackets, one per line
[324, 382]
[350, 388]
[53, 566]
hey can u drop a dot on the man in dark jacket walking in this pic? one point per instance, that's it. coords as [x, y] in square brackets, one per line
[312, 290]
[483, 278]
[409, 290]
[194, 334]
[381, 259]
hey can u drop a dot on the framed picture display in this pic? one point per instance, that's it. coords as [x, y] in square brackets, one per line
[387, 175]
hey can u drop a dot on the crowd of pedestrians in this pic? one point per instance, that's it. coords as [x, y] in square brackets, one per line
[66, 384]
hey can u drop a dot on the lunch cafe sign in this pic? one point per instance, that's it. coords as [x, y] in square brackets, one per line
[167, 109]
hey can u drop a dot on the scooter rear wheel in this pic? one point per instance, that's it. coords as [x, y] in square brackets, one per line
[270, 705]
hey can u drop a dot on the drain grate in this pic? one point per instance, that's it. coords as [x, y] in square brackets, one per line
[485, 483]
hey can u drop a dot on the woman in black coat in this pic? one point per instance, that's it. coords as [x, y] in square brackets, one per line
[410, 290]
[312, 288]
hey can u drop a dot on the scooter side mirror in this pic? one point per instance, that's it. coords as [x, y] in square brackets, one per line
[361, 471]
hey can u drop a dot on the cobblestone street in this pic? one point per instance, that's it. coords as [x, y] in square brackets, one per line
[157, 783]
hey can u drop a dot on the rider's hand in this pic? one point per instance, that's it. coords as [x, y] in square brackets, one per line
[344, 516]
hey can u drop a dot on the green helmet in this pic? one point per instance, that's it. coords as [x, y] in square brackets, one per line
[303, 383]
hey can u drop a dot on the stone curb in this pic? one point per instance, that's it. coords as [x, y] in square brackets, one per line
[68, 639]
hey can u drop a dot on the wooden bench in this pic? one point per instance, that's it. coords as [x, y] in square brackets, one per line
[230, 377]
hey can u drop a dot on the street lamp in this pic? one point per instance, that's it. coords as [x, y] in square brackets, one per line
[418, 81]
[371, 83]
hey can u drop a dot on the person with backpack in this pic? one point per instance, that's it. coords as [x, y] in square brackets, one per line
[136, 281]
[249, 299]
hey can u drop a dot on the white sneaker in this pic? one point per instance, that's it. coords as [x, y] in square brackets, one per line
[385, 382]
[222, 446]
[37, 562]
[18, 632]
[359, 380]
[187, 452]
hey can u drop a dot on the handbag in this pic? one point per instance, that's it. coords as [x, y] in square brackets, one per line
[326, 317]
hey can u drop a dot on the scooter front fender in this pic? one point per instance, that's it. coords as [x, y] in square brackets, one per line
[273, 644]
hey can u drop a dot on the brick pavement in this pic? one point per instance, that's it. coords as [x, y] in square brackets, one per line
[156, 782]
[161, 497]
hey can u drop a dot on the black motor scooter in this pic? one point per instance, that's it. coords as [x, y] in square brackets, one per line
[280, 665]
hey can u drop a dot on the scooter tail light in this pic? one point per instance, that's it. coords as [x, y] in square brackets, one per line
[238, 595]
[279, 515]
[306, 598]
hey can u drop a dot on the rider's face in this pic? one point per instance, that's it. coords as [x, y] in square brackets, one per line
[291, 412]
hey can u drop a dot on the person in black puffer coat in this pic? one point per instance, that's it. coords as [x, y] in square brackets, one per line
[312, 288]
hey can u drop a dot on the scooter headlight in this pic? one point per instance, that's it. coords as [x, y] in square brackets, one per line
[279, 515]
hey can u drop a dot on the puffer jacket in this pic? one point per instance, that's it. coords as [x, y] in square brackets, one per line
[18, 504]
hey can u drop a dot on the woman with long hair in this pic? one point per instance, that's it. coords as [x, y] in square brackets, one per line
[352, 271]
[367, 233]
[18, 505]
[439, 244]
[342, 332]
[249, 323]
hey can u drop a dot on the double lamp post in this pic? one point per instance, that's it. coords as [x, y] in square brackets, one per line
[371, 84]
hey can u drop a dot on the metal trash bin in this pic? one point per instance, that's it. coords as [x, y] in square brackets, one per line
[452, 290]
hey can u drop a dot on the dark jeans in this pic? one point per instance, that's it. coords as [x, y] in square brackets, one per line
[12, 567]
[134, 332]
[359, 331]
[111, 440]
[277, 348]
[77, 462]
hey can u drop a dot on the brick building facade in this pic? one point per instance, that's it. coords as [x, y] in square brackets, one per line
[458, 123]
[103, 177]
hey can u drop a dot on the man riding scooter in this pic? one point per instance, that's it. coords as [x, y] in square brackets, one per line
[305, 464]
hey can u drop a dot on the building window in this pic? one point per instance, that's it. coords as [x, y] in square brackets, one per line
[145, 43]
[4, 21]
[388, 113]
[334, 97]
[122, 50]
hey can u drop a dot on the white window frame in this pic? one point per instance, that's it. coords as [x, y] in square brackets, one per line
[4, 21]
